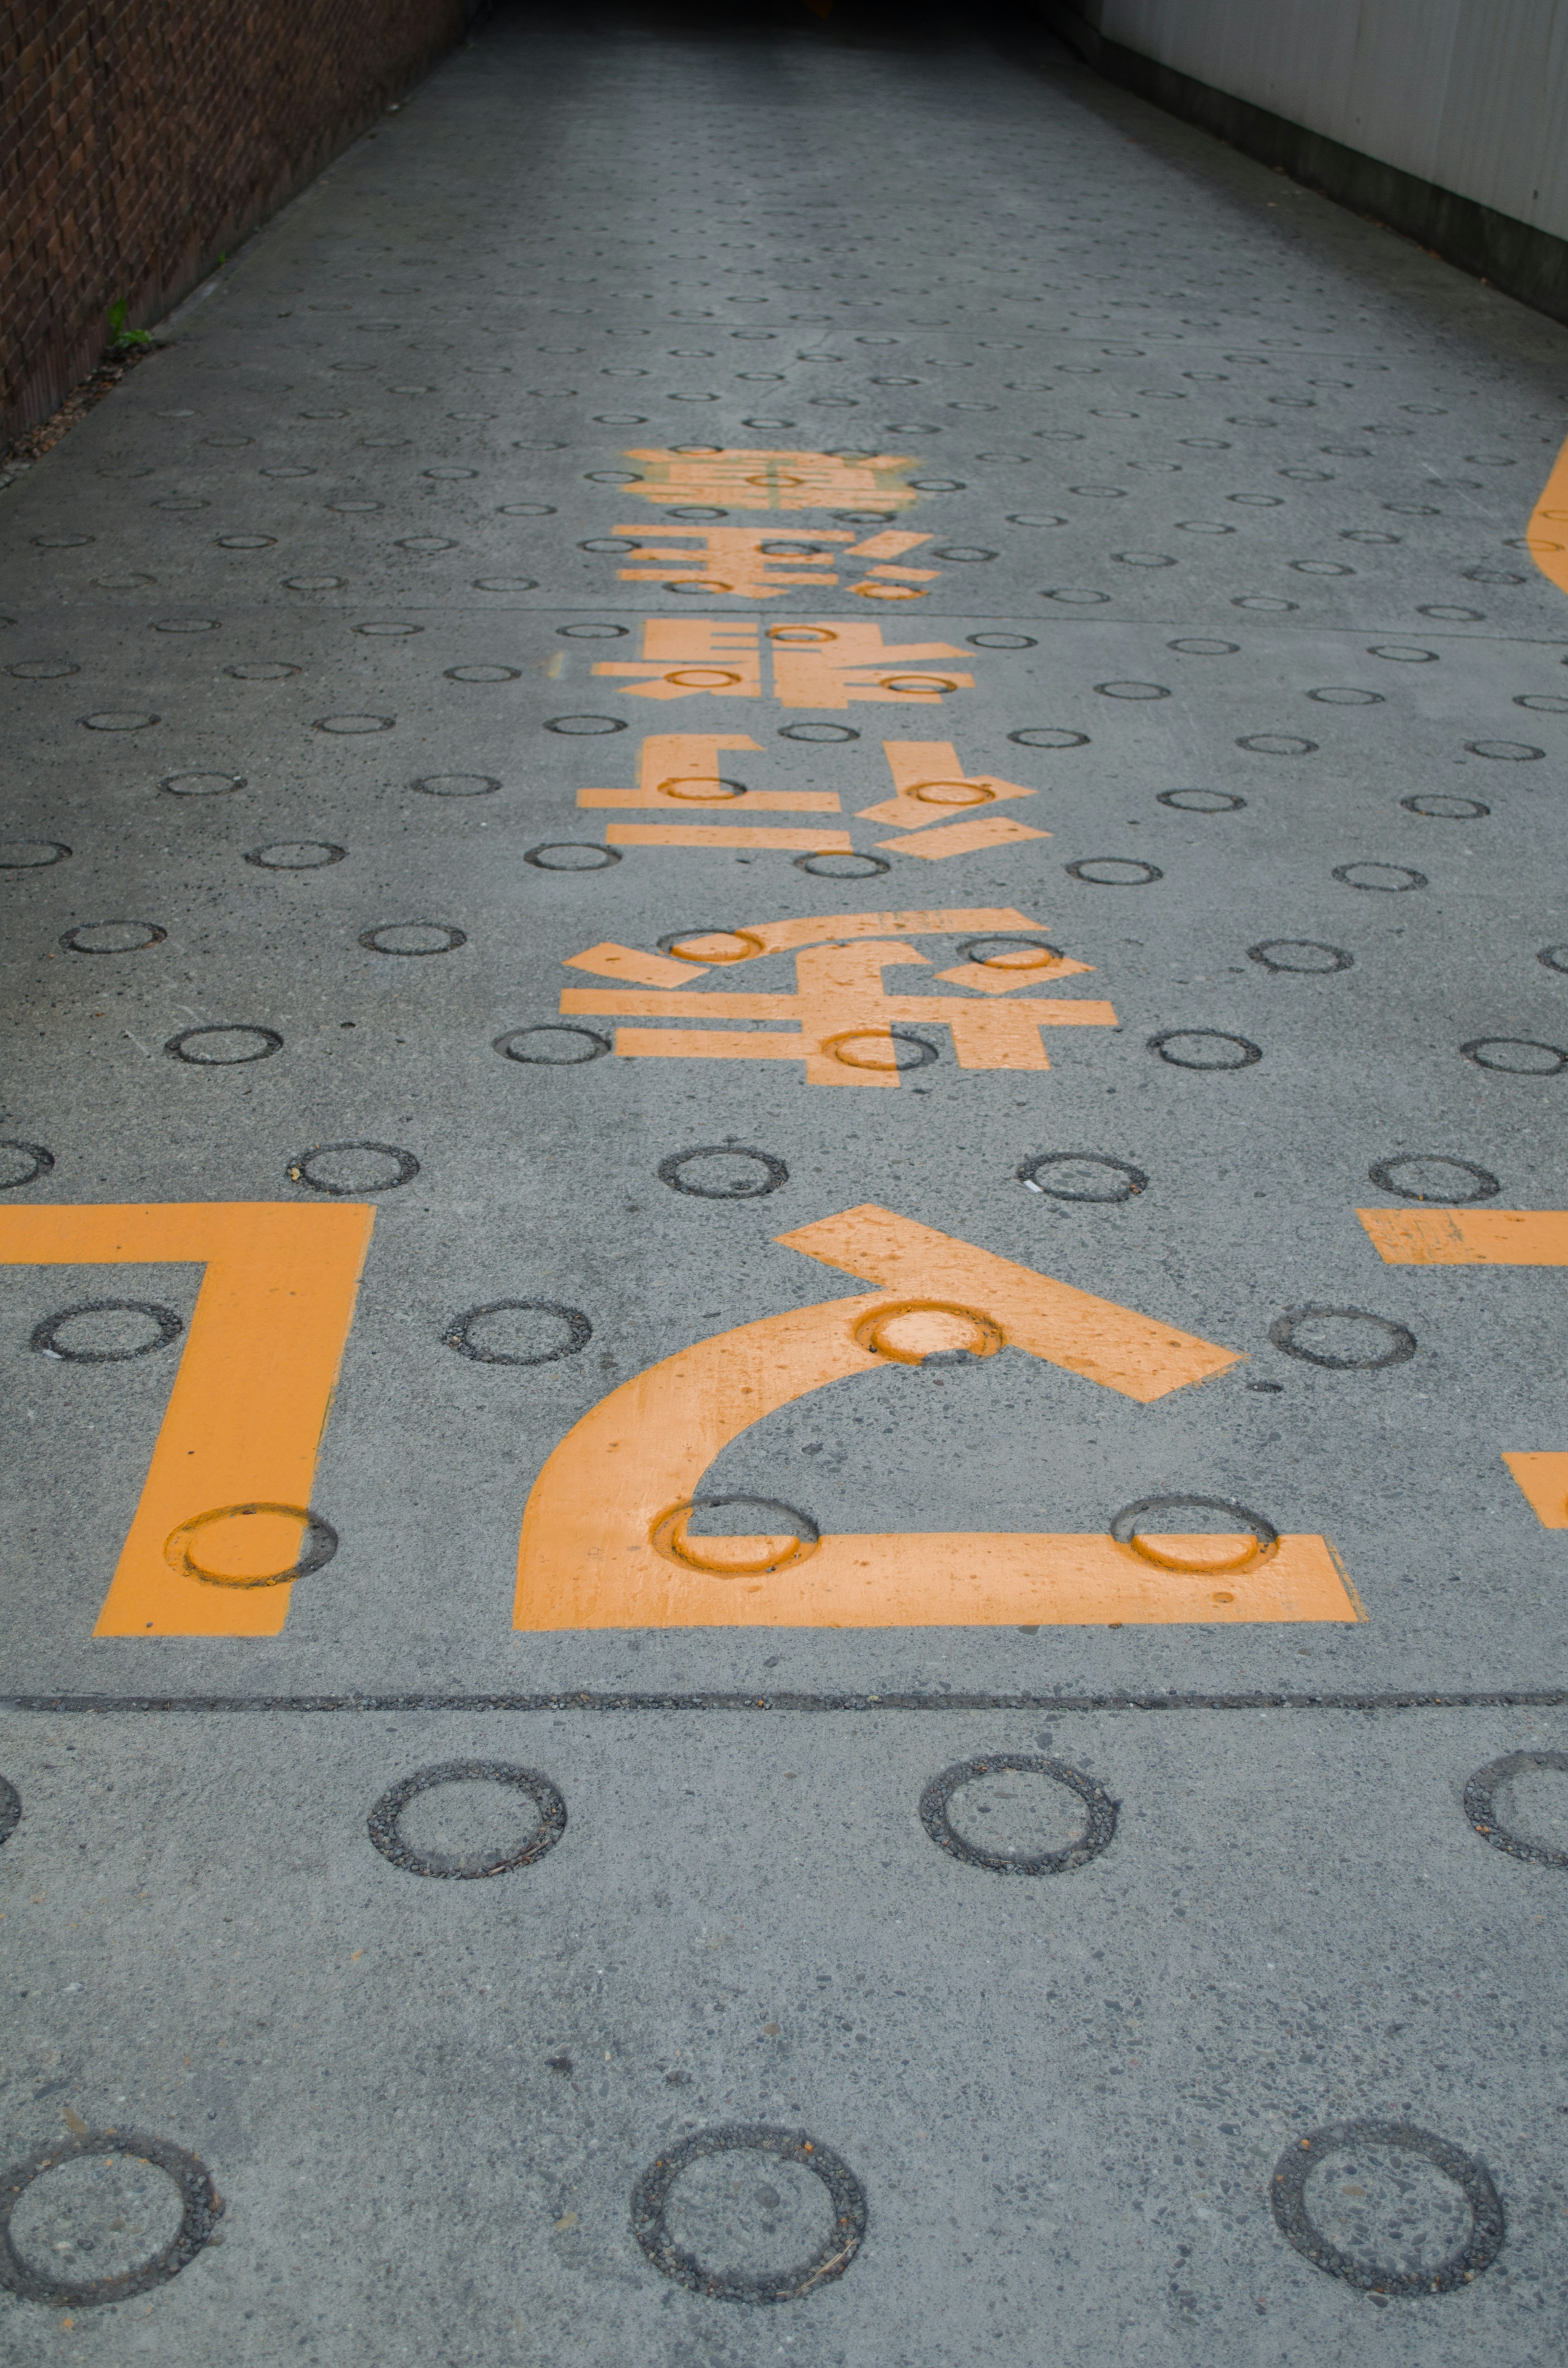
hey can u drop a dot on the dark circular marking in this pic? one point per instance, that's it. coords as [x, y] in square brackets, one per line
[986, 951]
[1133, 689]
[1288, 2193]
[1399, 1349]
[1245, 1051]
[650, 2200]
[1277, 744]
[40, 1162]
[10, 1810]
[1098, 1833]
[1143, 558]
[483, 674]
[964, 552]
[1122, 1179]
[1073, 598]
[244, 542]
[1045, 736]
[826, 734]
[1264, 602]
[1542, 705]
[296, 855]
[1205, 649]
[1479, 1047]
[773, 1172]
[843, 865]
[1447, 614]
[200, 2209]
[404, 1163]
[153, 936]
[1555, 958]
[1512, 751]
[383, 1826]
[179, 1048]
[1485, 1185]
[593, 633]
[1125, 1524]
[603, 857]
[42, 669]
[580, 727]
[1200, 800]
[500, 584]
[1003, 641]
[938, 484]
[1400, 653]
[1490, 575]
[117, 720]
[46, 1344]
[924, 1053]
[1275, 954]
[1345, 694]
[511, 1046]
[267, 671]
[32, 854]
[202, 785]
[1440, 807]
[456, 785]
[346, 726]
[1128, 872]
[579, 1332]
[372, 938]
[1479, 1808]
[1014, 519]
[321, 1544]
[1407, 879]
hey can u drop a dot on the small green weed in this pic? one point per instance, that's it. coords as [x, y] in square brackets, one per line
[122, 340]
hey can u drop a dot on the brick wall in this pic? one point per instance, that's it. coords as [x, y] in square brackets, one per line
[141, 138]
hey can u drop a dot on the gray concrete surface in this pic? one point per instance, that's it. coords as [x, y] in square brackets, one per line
[1203, 437]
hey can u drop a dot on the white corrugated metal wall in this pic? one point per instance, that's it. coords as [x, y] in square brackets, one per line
[1470, 94]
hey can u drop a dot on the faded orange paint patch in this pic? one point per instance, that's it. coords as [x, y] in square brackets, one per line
[230, 1476]
[738, 478]
[1546, 538]
[1469, 1237]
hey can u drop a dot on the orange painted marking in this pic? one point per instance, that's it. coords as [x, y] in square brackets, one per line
[1546, 538]
[679, 771]
[605, 1539]
[692, 657]
[249, 1402]
[742, 479]
[1544, 1480]
[714, 834]
[759, 938]
[964, 837]
[1469, 1237]
[1487, 1238]
[610, 960]
[845, 1018]
[931, 786]
[830, 661]
[990, 978]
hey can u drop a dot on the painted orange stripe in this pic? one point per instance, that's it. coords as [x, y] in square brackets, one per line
[251, 1397]
[1133, 1354]
[964, 837]
[1546, 538]
[712, 834]
[1469, 1237]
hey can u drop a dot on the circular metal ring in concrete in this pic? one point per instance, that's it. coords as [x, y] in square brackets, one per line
[1129, 873]
[821, 866]
[650, 2203]
[1014, 954]
[321, 1544]
[774, 1172]
[296, 855]
[151, 936]
[372, 938]
[457, 785]
[818, 735]
[405, 1164]
[1200, 800]
[1480, 1048]
[1289, 2197]
[1555, 957]
[1484, 1185]
[1126, 1525]
[1478, 1804]
[1400, 1342]
[40, 1162]
[1245, 1051]
[838, 1047]
[1098, 1833]
[579, 1332]
[1439, 806]
[1273, 953]
[511, 1047]
[1045, 736]
[201, 2207]
[383, 1829]
[670, 1536]
[605, 858]
[32, 854]
[45, 1344]
[580, 727]
[1122, 1179]
[183, 1046]
[1398, 881]
[204, 785]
